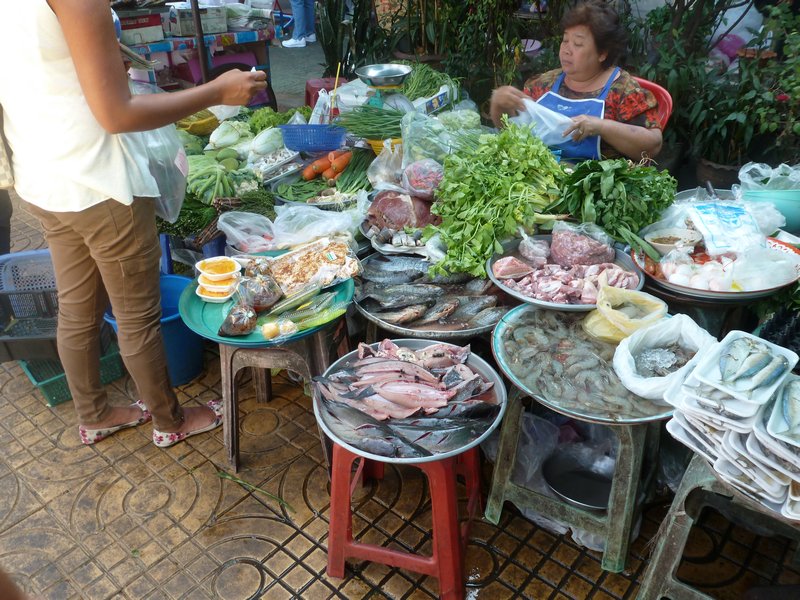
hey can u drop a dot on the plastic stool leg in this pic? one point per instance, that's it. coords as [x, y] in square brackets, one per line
[166, 254]
[340, 528]
[447, 548]
[373, 469]
[469, 467]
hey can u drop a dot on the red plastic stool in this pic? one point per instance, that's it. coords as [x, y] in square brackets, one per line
[447, 561]
[313, 86]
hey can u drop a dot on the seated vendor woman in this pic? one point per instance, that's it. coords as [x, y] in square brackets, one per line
[611, 114]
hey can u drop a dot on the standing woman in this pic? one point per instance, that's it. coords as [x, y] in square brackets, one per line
[65, 99]
[304, 24]
[611, 114]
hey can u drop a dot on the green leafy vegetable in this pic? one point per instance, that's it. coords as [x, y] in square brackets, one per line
[194, 216]
[617, 194]
[264, 118]
[488, 190]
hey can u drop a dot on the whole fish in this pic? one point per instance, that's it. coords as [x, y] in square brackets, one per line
[346, 421]
[379, 262]
[442, 441]
[765, 377]
[790, 400]
[472, 409]
[488, 316]
[404, 294]
[469, 306]
[478, 287]
[441, 356]
[734, 354]
[443, 308]
[752, 364]
[407, 314]
[370, 273]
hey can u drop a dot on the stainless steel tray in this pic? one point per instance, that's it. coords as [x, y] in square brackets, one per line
[622, 259]
[474, 361]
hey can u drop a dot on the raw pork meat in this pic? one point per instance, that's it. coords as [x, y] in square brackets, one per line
[568, 249]
[395, 211]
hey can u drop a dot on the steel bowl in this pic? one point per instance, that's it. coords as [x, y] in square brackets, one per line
[383, 75]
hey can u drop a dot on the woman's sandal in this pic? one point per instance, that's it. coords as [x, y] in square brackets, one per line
[165, 439]
[92, 436]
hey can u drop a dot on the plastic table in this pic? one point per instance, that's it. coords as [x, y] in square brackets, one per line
[637, 432]
[307, 353]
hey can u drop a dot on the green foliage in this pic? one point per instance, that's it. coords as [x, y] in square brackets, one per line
[616, 194]
[263, 118]
[488, 190]
[351, 41]
[194, 216]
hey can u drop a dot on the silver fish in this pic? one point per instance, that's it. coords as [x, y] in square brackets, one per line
[488, 316]
[752, 364]
[449, 279]
[734, 354]
[443, 308]
[766, 376]
[407, 314]
[469, 306]
[791, 404]
[478, 286]
[405, 294]
[377, 275]
[380, 262]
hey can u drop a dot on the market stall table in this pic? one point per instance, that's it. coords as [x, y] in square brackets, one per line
[306, 353]
[442, 469]
[636, 426]
[700, 487]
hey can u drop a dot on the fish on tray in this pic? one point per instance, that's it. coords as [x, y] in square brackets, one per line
[746, 364]
[394, 401]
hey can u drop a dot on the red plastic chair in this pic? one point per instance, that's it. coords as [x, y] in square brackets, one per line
[662, 97]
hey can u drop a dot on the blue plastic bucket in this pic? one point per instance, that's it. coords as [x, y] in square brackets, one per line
[184, 347]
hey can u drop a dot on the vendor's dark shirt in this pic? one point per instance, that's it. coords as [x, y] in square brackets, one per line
[626, 102]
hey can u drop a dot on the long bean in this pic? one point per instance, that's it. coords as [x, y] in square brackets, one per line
[300, 191]
[372, 123]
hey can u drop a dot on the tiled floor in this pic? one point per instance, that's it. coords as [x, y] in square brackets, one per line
[124, 519]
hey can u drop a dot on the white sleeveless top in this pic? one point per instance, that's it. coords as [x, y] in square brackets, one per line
[63, 160]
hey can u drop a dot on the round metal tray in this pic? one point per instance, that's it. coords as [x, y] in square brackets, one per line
[293, 177]
[383, 74]
[474, 361]
[510, 249]
[689, 292]
[574, 483]
[434, 334]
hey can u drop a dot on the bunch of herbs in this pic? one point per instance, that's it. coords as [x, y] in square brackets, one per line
[487, 192]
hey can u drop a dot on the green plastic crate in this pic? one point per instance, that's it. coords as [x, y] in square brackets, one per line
[49, 377]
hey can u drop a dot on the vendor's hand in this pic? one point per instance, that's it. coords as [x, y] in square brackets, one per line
[506, 100]
[583, 126]
[237, 88]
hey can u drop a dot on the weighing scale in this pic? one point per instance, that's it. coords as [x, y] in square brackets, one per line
[385, 80]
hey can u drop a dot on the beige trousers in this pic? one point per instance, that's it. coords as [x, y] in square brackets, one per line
[110, 252]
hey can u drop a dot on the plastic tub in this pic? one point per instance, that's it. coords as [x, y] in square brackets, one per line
[183, 347]
[786, 201]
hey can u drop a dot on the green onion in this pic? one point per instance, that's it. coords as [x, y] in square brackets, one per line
[372, 123]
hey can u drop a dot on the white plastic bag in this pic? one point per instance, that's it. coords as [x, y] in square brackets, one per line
[760, 176]
[247, 232]
[387, 168]
[166, 160]
[679, 329]
[546, 124]
[296, 224]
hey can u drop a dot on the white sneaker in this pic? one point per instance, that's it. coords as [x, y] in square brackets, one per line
[310, 39]
[292, 43]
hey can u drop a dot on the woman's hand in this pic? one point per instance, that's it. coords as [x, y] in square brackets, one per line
[237, 88]
[584, 126]
[506, 100]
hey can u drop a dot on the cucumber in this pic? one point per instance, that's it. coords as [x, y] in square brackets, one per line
[227, 153]
[295, 300]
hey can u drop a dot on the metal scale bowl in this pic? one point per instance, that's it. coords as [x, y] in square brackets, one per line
[385, 81]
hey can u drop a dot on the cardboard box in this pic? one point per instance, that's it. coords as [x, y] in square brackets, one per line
[212, 18]
[142, 29]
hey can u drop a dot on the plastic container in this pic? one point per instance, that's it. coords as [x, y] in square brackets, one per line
[377, 145]
[313, 138]
[218, 275]
[786, 201]
[184, 348]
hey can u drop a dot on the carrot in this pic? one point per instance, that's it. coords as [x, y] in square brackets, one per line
[321, 165]
[332, 179]
[329, 174]
[309, 173]
[340, 163]
[332, 156]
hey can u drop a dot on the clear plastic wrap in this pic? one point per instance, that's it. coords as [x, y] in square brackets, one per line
[583, 244]
[387, 168]
[323, 262]
[620, 312]
[247, 232]
[300, 224]
[760, 176]
[546, 124]
[241, 318]
[421, 178]
[263, 290]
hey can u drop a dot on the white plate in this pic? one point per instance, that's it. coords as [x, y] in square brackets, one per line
[784, 453]
[687, 403]
[759, 452]
[389, 248]
[776, 426]
[771, 481]
[707, 369]
[681, 433]
[742, 481]
[711, 433]
[735, 410]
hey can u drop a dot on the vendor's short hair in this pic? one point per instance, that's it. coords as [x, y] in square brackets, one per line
[603, 21]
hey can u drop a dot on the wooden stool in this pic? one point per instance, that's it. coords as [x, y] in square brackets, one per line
[699, 488]
[449, 540]
[307, 357]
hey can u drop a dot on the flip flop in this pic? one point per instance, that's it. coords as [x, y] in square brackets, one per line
[165, 439]
[92, 436]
